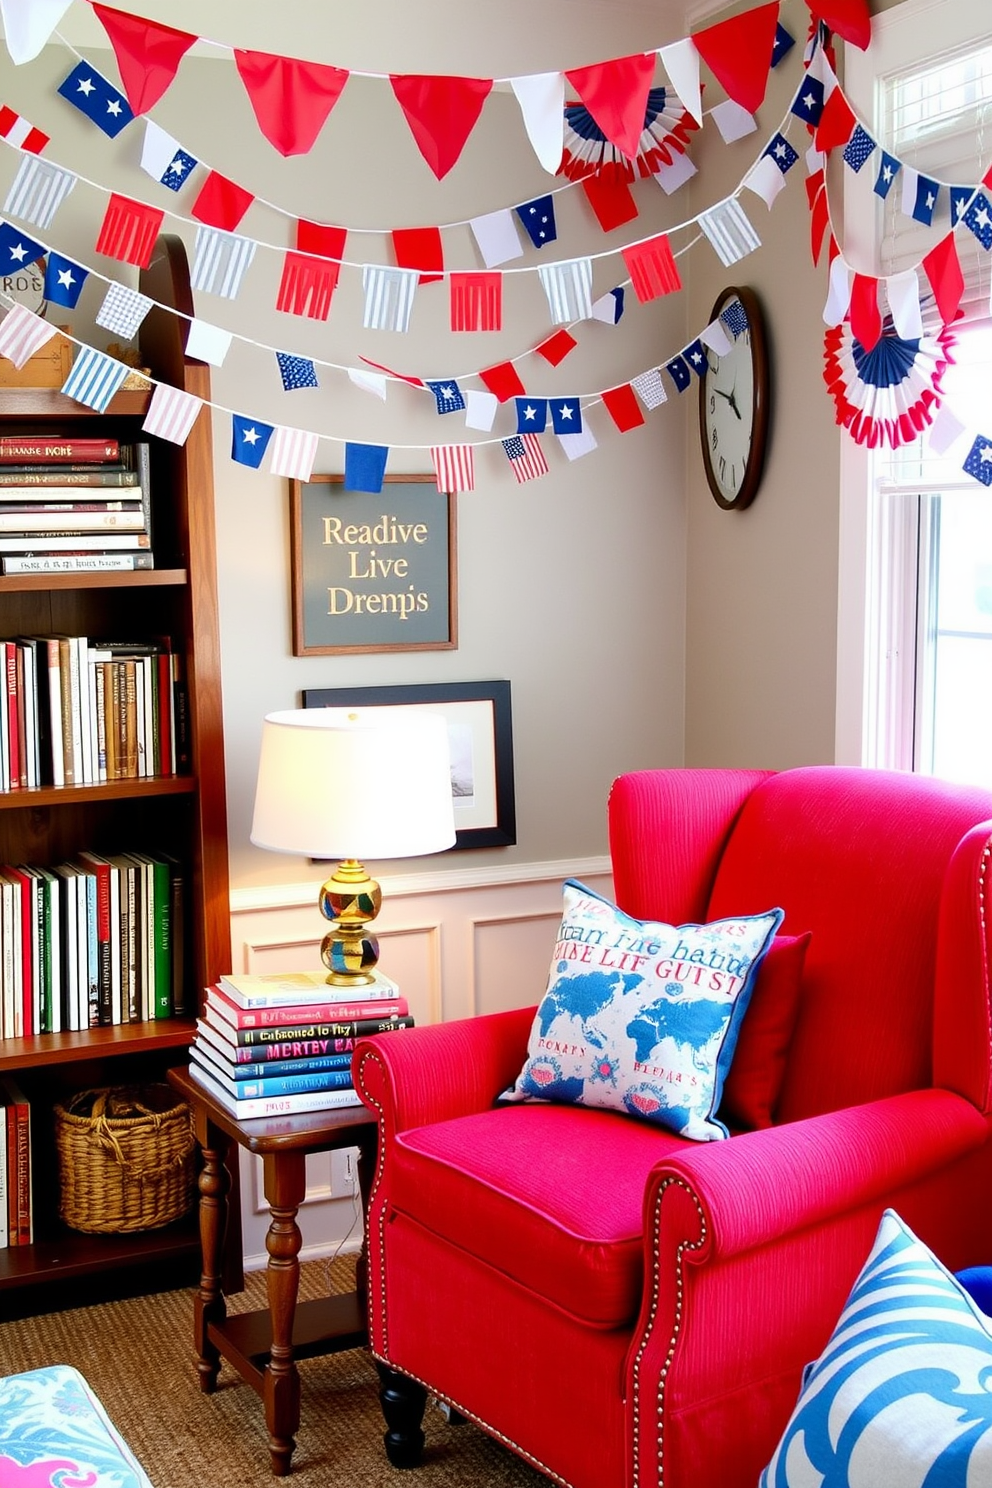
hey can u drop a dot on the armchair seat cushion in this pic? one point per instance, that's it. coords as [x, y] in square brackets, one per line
[549, 1195]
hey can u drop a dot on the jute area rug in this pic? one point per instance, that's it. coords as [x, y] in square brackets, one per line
[138, 1357]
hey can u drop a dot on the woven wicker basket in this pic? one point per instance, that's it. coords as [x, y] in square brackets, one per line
[127, 1159]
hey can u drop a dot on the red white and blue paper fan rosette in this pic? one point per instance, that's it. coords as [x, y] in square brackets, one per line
[667, 127]
[890, 394]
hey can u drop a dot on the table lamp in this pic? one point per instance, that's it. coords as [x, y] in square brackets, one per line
[353, 783]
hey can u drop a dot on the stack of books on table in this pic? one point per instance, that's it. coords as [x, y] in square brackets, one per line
[277, 1045]
[74, 505]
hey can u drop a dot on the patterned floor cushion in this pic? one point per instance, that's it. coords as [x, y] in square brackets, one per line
[54, 1431]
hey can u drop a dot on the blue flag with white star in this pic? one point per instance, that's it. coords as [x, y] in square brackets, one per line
[296, 371]
[532, 415]
[678, 371]
[783, 43]
[178, 170]
[17, 250]
[364, 467]
[858, 148]
[249, 440]
[927, 194]
[63, 280]
[99, 100]
[566, 415]
[538, 218]
[696, 357]
[887, 172]
[808, 103]
[783, 154]
[978, 219]
[960, 197]
[979, 461]
[447, 395]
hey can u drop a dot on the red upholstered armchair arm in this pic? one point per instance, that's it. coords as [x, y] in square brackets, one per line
[441, 1070]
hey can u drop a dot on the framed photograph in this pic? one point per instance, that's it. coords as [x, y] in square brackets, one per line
[480, 731]
[373, 572]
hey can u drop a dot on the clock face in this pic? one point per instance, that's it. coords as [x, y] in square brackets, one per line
[733, 403]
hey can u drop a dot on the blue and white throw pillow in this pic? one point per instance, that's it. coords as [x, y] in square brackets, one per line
[640, 1016]
[902, 1393]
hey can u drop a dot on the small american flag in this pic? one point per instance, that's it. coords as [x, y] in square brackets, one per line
[526, 457]
[16, 129]
[293, 453]
[22, 333]
[171, 414]
[454, 466]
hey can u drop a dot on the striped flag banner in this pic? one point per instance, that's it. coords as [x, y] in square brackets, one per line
[123, 310]
[454, 466]
[129, 230]
[22, 333]
[95, 378]
[729, 230]
[18, 131]
[476, 302]
[568, 287]
[171, 413]
[653, 270]
[37, 191]
[526, 457]
[220, 261]
[388, 297]
[307, 285]
[293, 452]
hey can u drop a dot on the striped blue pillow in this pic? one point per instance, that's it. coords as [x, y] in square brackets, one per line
[902, 1393]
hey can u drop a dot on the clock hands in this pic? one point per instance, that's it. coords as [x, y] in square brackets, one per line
[730, 399]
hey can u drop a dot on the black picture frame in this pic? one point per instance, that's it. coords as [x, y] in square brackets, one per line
[481, 725]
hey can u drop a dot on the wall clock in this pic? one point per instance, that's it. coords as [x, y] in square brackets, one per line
[734, 402]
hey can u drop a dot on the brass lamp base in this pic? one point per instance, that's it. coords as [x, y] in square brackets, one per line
[349, 900]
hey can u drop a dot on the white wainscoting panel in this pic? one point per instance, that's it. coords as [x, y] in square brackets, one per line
[458, 943]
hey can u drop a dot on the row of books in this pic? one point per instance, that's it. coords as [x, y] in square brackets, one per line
[16, 1223]
[71, 505]
[93, 942]
[272, 1046]
[78, 711]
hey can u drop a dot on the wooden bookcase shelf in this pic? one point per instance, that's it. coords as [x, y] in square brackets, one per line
[183, 815]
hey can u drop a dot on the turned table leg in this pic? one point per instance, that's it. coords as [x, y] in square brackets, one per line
[209, 1305]
[285, 1189]
[403, 1402]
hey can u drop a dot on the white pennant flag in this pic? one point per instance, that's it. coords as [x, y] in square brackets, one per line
[729, 230]
[910, 181]
[388, 297]
[220, 261]
[903, 293]
[568, 286]
[497, 237]
[293, 453]
[480, 409]
[681, 62]
[542, 102]
[208, 343]
[733, 120]
[765, 180]
[839, 293]
[577, 445]
[715, 337]
[679, 170]
[945, 431]
[171, 413]
[38, 190]
[27, 25]
[369, 382]
[22, 333]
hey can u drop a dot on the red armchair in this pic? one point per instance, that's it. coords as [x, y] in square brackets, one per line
[626, 1309]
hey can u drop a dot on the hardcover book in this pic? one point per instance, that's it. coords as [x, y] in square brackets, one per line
[279, 1105]
[270, 989]
[285, 1014]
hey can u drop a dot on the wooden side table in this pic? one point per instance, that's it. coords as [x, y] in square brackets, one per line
[264, 1346]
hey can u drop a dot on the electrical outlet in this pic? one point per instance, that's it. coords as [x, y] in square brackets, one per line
[344, 1173]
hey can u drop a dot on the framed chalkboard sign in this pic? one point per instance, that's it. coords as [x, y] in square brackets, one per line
[373, 572]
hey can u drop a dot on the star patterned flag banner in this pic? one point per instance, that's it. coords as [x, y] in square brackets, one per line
[566, 415]
[858, 148]
[538, 218]
[16, 130]
[63, 281]
[293, 453]
[129, 230]
[532, 415]
[577, 445]
[249, 440]
[454, 466]
[650, 388]
[734, 318]
[447, 395]
[95, 378]
[208, 343]
[920, 195]
[296, 372]
[609, 307]
[388, 297]
[978, 219]
[97, 99]
[568, 287]
[678, 371]
[808, 104]
[22, 333]
[526, 457]
[979, 460]
[730, 232]
[364, 467]
[171, 414]
[476, 301]
[783, 154]
[38, 190]
[17, 250]
[164, 159]
[220, 261]
[887, 172]
[123, 310]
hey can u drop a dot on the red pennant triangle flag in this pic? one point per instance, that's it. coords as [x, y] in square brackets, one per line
[556, 348]
[946, 280]
[849, 18]
[420, 248]
[148, 55]
[616, 94]
[623, 407]
[611, 199]
[819, 215]
[738, 52]
[836, 123]
[441, 113]
[291, 99]
[866, 318]
[402, 376]
[504, 381]
[318, 238]
[221, 203]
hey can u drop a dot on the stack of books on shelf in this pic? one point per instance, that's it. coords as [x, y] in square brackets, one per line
[16, 1223]
[277, 1045]
[90, 943]
[75, 710]
[74, 505]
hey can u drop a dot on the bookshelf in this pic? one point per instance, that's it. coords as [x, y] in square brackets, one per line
[183, 815]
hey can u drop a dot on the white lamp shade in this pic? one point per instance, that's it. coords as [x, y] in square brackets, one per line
[354, 783]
